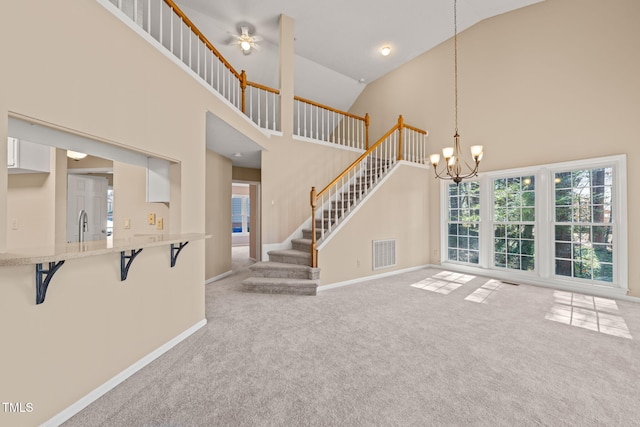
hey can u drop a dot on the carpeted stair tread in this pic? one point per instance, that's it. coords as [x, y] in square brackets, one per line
[284, 270]
[290, 256]
[281, 285]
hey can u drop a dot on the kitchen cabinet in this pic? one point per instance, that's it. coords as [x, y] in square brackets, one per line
[158, 183]
[27, 157]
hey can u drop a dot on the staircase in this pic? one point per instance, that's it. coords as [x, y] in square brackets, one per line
[289, 271]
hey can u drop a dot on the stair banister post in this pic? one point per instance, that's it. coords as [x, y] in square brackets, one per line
[243, 87]
[400, 126]
[314, 252]
[366, 130]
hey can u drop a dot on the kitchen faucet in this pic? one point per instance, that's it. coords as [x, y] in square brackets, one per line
[83, 225]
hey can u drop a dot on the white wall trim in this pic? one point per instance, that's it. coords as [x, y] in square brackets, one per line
[218, 277]
[104, 388]
[372, 277]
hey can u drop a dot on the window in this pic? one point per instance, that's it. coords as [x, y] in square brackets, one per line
[562, 224]
[514, 214]
[583, 224]
[240, 214]
[463, 222]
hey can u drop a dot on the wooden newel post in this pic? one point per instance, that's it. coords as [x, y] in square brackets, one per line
[400, 126]
[243, 87]
[366, 130]
[314, 252]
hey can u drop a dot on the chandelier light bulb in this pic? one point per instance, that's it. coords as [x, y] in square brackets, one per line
[447, 152]
[476, 151]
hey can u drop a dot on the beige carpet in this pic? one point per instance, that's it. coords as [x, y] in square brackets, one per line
[422, 348]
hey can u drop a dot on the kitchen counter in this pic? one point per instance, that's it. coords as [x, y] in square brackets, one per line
[39, 255]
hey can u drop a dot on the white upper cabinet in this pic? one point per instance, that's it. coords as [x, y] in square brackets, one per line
[27, 157]
[158, 183]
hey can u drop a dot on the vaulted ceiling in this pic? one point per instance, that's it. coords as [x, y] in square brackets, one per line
[337, 42]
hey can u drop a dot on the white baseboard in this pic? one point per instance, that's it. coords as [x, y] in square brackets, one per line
[372, 277]
[106, 387]
[218, 277]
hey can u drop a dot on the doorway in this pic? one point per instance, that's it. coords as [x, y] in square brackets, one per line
[245, 224]
[88, 194]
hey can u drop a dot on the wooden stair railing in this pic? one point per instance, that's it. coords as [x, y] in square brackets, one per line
[401, 142]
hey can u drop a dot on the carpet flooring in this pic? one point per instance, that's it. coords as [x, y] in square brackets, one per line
[425, 348]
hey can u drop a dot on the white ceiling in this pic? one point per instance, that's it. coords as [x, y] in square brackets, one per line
[337, 42]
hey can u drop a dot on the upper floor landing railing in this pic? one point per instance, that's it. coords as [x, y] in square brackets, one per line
[167, 23]
[324, 123]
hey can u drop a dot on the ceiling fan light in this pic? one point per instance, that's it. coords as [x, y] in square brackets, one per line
[245, 46]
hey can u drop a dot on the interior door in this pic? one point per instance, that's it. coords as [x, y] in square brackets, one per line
[88, 193]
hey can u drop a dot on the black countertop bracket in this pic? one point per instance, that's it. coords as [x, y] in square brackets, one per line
[175, 251]
[43, 277]
[125, 262]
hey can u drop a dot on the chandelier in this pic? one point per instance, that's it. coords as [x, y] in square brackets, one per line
[456, 168]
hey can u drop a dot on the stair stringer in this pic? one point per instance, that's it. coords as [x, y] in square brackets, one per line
[371, 191]
[286, 244]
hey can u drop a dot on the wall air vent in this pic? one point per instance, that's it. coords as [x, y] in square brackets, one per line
[384, 253]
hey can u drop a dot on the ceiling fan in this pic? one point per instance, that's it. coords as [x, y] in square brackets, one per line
[245, 40]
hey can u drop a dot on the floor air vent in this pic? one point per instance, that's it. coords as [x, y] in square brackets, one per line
[384, 253]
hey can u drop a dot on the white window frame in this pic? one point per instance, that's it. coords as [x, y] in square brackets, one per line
[445, 215]
[245, 217]
[544, 272]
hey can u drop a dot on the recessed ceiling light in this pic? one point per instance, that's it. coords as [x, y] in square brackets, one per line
[237, 154]
[385, 50]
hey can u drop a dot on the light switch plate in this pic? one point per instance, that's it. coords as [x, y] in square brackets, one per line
[127, 223]
[151, 219]
[159, 223]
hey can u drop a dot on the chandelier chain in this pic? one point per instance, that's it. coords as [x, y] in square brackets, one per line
[455, 58]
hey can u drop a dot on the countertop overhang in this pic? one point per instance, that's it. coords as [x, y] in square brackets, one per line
[39, 255]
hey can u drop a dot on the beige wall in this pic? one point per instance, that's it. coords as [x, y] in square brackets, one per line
[122, 91]
[60, 207]
[397, 210]
[555, 81]
[29, 195]
[129, 202]
[218, 215]
[289, 169]
[246, 174]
